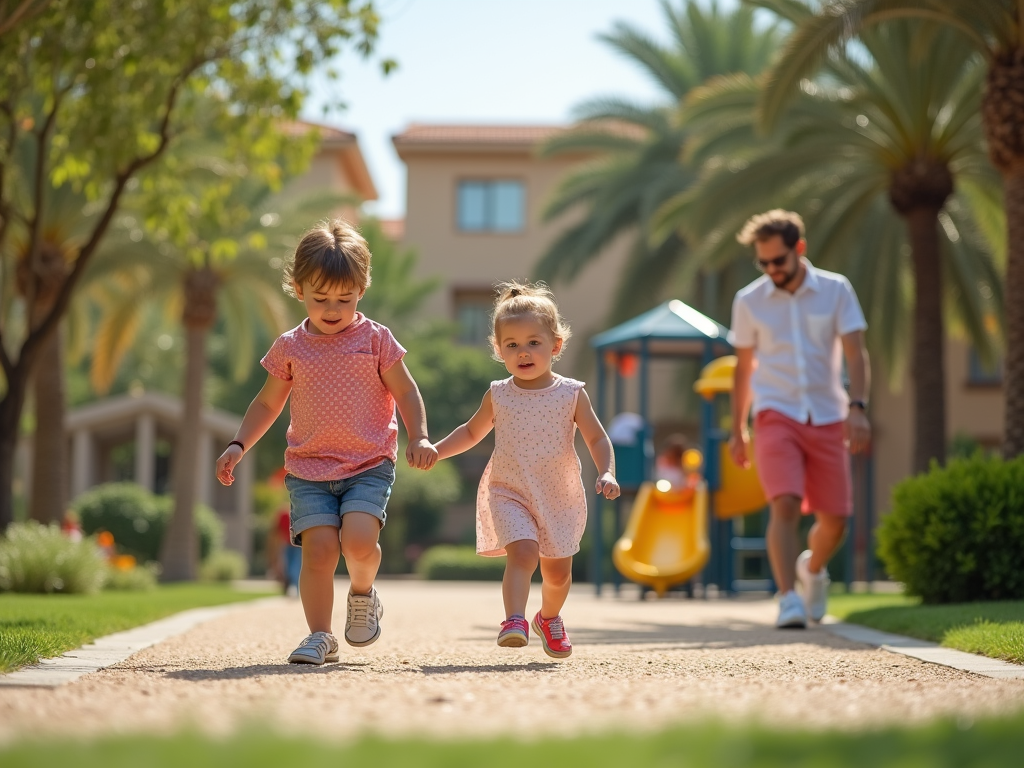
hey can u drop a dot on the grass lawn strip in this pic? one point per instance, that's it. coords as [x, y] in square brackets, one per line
[946, 744]
[993, 629]
[34, 627]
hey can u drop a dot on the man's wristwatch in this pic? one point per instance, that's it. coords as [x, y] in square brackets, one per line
[859, 404]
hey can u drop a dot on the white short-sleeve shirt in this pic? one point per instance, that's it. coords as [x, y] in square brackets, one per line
[797, 345]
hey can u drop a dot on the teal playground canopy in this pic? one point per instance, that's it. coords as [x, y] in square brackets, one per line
[672, 329]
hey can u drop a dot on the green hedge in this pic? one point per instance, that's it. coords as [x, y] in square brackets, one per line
[137, 519]
[453, 563]
[39, 558]
[956, 534]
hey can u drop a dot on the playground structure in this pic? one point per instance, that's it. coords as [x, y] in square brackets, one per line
[674, 534]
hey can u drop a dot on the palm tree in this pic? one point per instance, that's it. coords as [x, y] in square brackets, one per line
[229, 262]
[635, 147]
[869, 145]
[995, 28]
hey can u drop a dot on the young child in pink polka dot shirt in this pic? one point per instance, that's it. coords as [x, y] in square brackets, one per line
[345, 375]
[531, 504]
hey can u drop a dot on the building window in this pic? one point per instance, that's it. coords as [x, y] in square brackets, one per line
[491, 206]
[473, 314]
[980, 374]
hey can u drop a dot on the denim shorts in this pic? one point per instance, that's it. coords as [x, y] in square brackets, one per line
[324, 502]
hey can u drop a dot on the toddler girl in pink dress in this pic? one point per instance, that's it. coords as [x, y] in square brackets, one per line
[531, 504]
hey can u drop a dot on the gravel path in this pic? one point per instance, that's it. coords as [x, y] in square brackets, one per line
[437, 670]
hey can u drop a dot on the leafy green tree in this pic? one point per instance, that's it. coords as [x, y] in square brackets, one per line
[994, 28]
[634, 148]
[104, 88]
[870, 152]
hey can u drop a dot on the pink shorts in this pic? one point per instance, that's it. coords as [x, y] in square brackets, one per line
[808, 461]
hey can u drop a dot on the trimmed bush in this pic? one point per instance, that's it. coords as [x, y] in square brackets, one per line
[223, 565]
[454, 563]
[137, 519]
[417, 504]
[956, 534]
[39, 558]
[141, 578]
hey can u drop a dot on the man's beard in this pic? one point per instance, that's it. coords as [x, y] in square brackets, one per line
[787, 277]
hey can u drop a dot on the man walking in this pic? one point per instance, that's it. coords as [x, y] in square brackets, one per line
[791, 329]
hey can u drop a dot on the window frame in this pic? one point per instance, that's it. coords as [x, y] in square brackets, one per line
[490, 185]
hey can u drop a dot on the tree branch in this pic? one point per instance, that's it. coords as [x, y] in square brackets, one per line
[23, 12]
[60, 304]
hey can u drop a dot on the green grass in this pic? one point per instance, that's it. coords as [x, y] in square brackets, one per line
[33, 627]
[992, 629]
[946, 744]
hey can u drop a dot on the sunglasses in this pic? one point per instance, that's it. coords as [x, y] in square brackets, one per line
[778, 261]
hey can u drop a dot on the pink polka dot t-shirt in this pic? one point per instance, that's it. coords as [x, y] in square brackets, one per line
[532, 487]
[342, 416]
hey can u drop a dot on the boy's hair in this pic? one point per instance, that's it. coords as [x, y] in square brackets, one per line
[764, 226]
[517, 300]
[333, 253]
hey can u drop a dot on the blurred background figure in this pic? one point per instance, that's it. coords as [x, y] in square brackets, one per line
[289, 556]
[669, 463]
[71, 525]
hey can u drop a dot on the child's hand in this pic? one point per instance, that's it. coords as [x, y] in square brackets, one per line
[226, 463]
[607, 485]
[421, 454]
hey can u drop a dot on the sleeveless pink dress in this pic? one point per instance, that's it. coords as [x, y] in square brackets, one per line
[531, 488]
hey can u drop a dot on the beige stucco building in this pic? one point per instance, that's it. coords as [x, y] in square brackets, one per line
[456, 171]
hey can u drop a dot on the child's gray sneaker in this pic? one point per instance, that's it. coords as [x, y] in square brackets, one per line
[316, 649]
[362, 625]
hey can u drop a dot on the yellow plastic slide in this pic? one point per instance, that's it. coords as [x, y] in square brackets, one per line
[666, 539]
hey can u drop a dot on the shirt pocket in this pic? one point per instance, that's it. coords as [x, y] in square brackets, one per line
[821, 330]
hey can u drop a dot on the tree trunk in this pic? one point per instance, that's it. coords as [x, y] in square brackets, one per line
[928, 359]
[180, 550]
[1013, 376]
[49, 449]
[10, 419]
[179, 553]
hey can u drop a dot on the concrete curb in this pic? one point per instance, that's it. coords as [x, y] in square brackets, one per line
[925, 651]
[112, 649]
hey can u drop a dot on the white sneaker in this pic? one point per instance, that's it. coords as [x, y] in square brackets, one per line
[813, 586]
[362, 625]
[316, 649]
[792, 614]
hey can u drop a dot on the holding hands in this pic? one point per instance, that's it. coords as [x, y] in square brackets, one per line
[421, 453]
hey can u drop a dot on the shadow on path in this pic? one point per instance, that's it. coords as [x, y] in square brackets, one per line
[735, 634]
[261, 670]
[448, 669]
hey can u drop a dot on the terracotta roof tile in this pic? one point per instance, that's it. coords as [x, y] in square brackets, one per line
[476, 134]
[302, 127]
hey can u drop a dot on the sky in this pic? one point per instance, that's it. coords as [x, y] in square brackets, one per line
[482, 62]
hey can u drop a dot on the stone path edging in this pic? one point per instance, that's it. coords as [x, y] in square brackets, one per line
[925, 651]
[112, 649]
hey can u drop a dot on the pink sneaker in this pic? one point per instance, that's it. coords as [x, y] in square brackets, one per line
[515, 633]
[553, 636]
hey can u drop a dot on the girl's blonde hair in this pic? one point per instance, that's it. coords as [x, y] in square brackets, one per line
[516, 300]
[332, 253]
